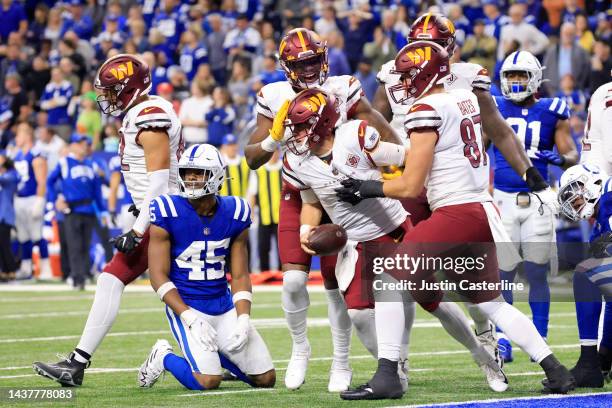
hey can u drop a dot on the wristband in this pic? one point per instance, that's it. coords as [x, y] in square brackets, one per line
[269, 144]
[242, 295]
[189, 317]
[165, 288]
[371, 189]
[304, 229]
[534, 179]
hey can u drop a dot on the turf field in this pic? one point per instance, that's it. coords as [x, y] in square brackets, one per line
[38, 324]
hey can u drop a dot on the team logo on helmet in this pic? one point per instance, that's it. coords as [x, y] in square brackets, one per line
[419, 55]
[123, 70]
[315, 102]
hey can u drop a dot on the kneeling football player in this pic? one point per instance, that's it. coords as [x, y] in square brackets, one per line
[193, 236]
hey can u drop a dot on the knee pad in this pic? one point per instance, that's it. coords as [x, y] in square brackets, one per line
[294, 281]
[365, 327]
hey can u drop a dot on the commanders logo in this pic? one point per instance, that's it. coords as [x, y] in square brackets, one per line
[123, 70]
[419, 55]
[315, 102]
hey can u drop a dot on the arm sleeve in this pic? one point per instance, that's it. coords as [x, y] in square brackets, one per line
[158, 185]
[388, 154]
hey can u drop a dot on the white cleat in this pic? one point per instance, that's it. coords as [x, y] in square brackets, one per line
[489, 342]
[153, 367]
[402, 372]
[496, 378]
[296, 369]
[339, 379]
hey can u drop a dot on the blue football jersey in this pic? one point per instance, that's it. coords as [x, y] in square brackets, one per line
[604, 212]
[124, 196]
[200, 247]
[535, 127]
[23, 164]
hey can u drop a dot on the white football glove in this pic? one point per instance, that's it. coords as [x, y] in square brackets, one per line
[549, 198]
[201, 330]
[38, 207]
[240, 337]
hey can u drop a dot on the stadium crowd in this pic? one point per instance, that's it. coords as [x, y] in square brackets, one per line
[210, 58]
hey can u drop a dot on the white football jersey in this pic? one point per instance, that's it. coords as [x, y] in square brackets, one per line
[460, 170]
[158, 113]
[597, 141]
[371, 218]
[463, 75]
[346, 88]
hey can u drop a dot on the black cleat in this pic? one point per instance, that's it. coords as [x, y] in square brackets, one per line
[559, 381]
[67, 372]
[588, 376]
[605, 362]
[384, 385]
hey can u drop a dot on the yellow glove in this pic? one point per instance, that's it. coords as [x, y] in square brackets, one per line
[278, 125]
[391, 172]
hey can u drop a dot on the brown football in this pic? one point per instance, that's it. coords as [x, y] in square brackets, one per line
[327, 239]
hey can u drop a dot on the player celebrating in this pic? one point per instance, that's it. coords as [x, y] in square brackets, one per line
[540, 124]
[150, 146]
[303, 56]
[446, 156]
[585, 193]
[192, 236]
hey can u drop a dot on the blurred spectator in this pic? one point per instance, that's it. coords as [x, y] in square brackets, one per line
[9, 179]
[529, 37]
[193, 53]
[237, 170]
[167, 21]
[12, 63]
[269, 74]
[338, 63]
[50, 145]
[6, 134]
[78, 21]
[166, 91]
[571, 11]
[603, 30]
[205, 76]
[220, 119]
[67, 68]
[566, 58]
[367, 77]
[398, 38]
[293, 11]
[238, 84]
[110, 137]
[83, 48]
[179, 82]
[583, 34]
[601, 65]
[67, 48]
[480, 48]
[193, 111]
[215, 40]
[264, 193]
[356, 34]
[12, 19]
[454, 12]
[36, 28]
[115, 9]
[495, 19]
[138, 35]
[242, 40]
[111, 32]
[54, 26]
[55, 101]
[327, 22]
[379, 51]
[574, 98]
[89, 121]
[15, 97]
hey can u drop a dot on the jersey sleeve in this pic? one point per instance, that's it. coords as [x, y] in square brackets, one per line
[482, 80]
[152, 117]
[422, 117]
[384, 75]
[262, 105]
[559, 108]
[355, 92]
[241, 216]
[291, 177]
[161, 209]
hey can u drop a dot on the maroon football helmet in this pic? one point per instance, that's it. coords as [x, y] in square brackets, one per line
[421, 65]
[311, 117]
[120, 81]
[436, 28]
[303, 57]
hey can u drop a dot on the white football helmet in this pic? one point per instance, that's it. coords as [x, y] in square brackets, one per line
[579, 191]
[522, 61]
[203, 157]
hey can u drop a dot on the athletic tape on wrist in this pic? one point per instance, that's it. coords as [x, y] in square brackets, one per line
[165, 288]
[242, 295]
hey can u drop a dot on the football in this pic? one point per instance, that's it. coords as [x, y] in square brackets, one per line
[327, 239]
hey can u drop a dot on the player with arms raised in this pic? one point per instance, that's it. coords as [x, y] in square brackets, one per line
[303, 56]
[446, 156]
[192, 237]
[150, 146]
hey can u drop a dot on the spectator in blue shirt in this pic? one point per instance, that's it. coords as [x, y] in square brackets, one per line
[77, 21]
[243, 40]
[338, 63]
[367, 77]
[575, 98]
[356, 35]
[495, 20]
[12, 18]
[79, 197]
[270, 72]
[9, 178]
[168, 22]
[220, 118]
[55, 100]
[193, 53]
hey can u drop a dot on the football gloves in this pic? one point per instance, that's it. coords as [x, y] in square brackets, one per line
[201, 330]
[602, 246]
[240, 336]
[353, 190]
[277, 132]
[549, 199]
[551, 157]
[126, 242]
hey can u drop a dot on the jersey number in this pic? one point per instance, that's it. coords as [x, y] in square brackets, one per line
[471, 150]
[206, 259]
[520, 125]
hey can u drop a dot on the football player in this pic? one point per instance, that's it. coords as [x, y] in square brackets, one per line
[392, 100]
[447, 157]
[31, 164]
[151, 144]
[586, 193]
[541, 125]
[303, 57]
[322, 157]
[192, 237]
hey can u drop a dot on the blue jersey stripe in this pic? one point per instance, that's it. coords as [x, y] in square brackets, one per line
[171, 321]
[186, 344]
[601, 268]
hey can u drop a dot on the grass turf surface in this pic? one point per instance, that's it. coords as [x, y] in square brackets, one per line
[37, 325]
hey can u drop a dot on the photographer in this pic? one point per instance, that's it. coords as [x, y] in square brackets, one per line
[9, 179]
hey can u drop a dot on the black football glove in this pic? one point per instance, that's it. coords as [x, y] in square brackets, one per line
[353, 190]
[126, 242]
[602, 246]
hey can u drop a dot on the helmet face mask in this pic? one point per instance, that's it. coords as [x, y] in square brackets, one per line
[579, 192]
[302, 134]
[201, 172]
[515, 64]
[307, 72]
[303, 57]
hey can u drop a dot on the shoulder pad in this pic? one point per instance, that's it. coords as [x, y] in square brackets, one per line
[152, 117]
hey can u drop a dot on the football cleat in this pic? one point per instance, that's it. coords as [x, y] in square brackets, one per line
[67, 372]
[605, 362]
[496, 378]
[489, 342]
[558, 381]
[153, 367]
[385, 384]
[402, 372]
[298, 364]
[505, 349]
[339, 379]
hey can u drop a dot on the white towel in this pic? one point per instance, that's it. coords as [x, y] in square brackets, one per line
[345, 265]
[507, 255]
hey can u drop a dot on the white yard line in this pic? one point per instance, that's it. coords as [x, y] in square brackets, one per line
[213, 393]
[137, 288]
